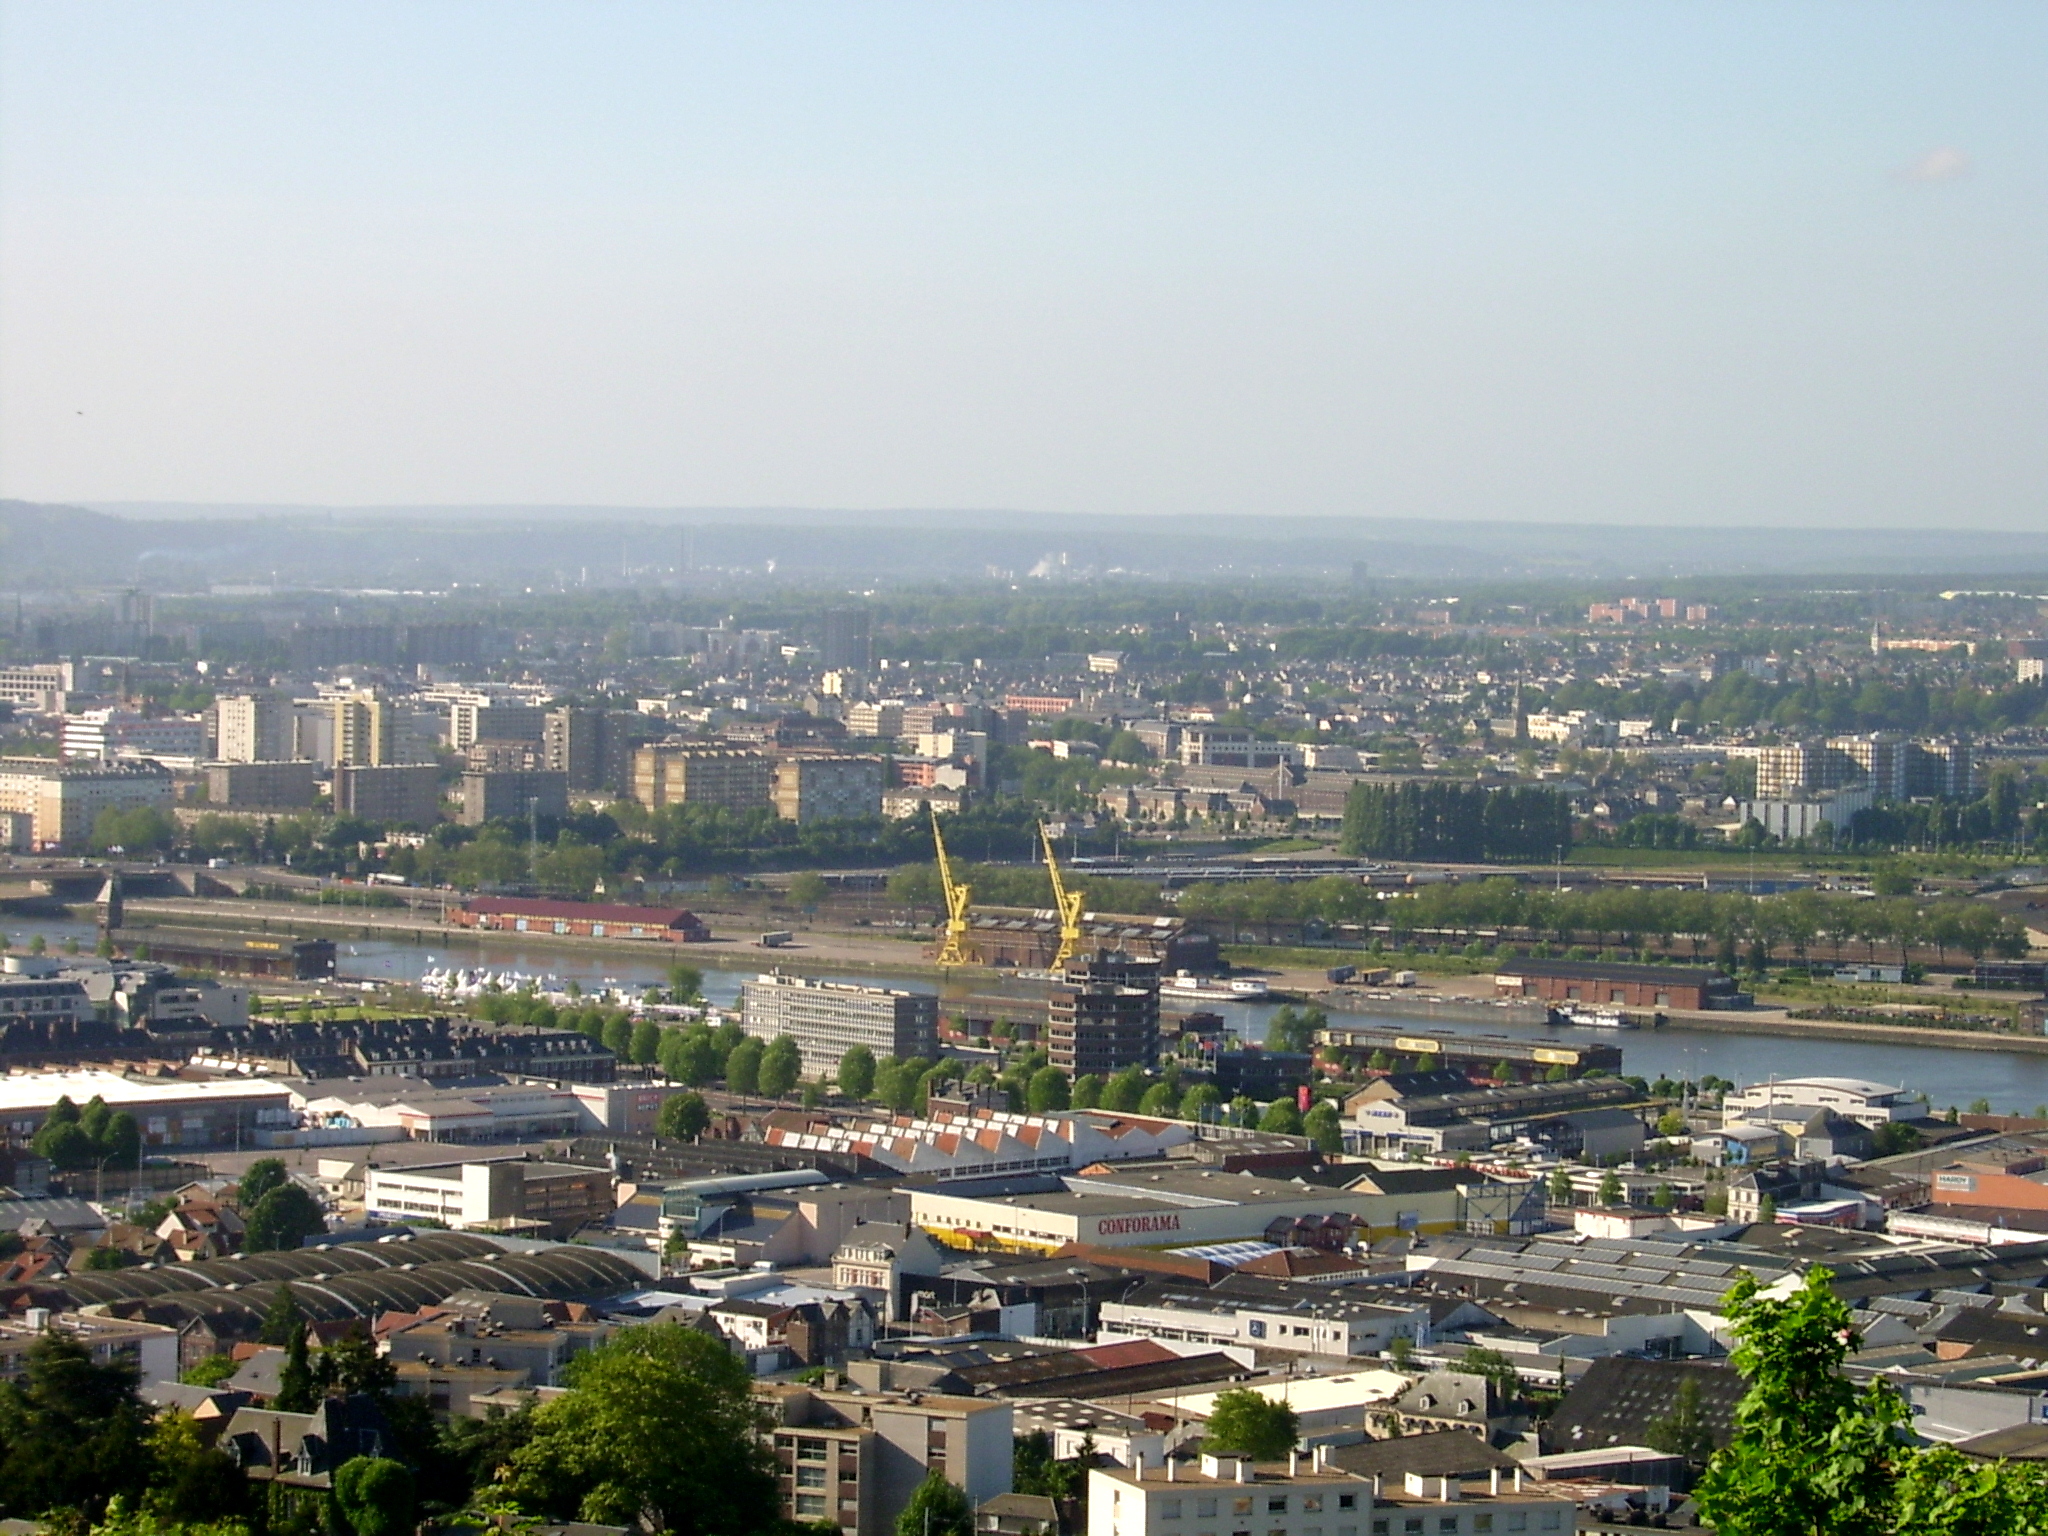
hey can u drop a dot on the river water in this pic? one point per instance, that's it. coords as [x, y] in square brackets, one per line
[2012, 1081]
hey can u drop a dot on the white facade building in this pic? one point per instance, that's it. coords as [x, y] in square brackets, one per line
[1227, 1496]
[1854, 1098]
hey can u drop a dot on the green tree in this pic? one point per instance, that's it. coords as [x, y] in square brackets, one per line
[71, 1432]
[1246, 1422]
[1496, 1367]
[645, 1043]
[1813, 1453]
[1325, 1127]
[374, 1495]
[1671, 1123]
[1201, 1102]
[62, 1138]
[809, 890]
[743, 1067]
[105, 1256]
[351, 1365]
[1281, 1117]
[618, 1036]
[685, 983]
[659, 1428]
[937, 1508]
[696, 1059]
[209, 1372]
[191, 1481]
[138, 829]
[857, 1072]
[1087, 1092]
[1161, 1098]
[1047, 1091]
[683, 1117]
[1611, 1191]
[297, 1389]
[282, 1319]
[1124, 1092]
[782, 1063]
[283, 1220]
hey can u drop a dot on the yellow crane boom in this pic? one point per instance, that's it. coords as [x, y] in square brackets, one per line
[959, 898]
[1067, 905]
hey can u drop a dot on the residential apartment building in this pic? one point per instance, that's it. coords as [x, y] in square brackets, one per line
[474, 720]
[1104, 1015]
[510, 796]
[409, 794]
[720, 776]
[1945, 768]
[39, 1007]
[365, 731]
[253, 784]
[820, 787]
[63, 800]
[1889, 766]
[104, 735]
[148, 1349]
[594, 747]
[882, 720]
[1882, 759]
[829, 1018]
[253, 728]
[855, 1459]
[492, 754]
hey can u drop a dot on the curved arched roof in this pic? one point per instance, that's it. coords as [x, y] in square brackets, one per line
[348, 1280]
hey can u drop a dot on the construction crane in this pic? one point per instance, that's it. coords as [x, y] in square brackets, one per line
[1067, 905]
[958, 898]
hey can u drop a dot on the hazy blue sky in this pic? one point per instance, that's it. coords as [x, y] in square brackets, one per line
[1653, 263]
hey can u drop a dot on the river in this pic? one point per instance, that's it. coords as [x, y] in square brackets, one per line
[2012, 1081]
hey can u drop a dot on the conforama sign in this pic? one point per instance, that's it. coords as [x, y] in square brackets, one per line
[1124, 1226]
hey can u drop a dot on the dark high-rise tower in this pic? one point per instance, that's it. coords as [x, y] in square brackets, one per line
[847, 645]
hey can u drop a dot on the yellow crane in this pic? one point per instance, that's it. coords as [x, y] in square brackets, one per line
[958, 898]
[1068, 905]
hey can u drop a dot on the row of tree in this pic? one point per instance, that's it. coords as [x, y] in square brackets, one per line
[1673, 920]
[1464, 823]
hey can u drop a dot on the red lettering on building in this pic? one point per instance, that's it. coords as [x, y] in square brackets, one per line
[1118, 1226]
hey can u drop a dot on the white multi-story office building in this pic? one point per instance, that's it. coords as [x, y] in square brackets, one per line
[829, 1018]
[254, 728]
